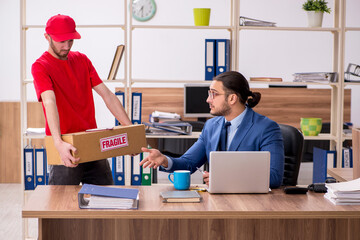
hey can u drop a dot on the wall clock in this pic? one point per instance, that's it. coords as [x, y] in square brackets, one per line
[143, 10]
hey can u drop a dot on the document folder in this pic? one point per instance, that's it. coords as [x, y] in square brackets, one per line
[41, 166]
[93, 196]
[136, 170]
[136, 108]
[321, 159]
[47, 170]
[146, 172]
[121, 96]
[29, 168]
[347, 158]
[110, 161]
[222, 56]
[210, 59]
[119, 170]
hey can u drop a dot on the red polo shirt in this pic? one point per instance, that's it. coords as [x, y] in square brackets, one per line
[72, 81]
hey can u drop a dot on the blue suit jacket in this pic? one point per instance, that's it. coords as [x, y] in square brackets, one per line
[255, 133]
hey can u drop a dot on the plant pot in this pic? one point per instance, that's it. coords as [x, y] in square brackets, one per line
[202, 16]
[315, 18]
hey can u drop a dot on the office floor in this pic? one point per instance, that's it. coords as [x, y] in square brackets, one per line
[11, 203]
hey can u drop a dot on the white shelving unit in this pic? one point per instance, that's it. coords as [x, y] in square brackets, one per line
[338, 31]
[336, 136]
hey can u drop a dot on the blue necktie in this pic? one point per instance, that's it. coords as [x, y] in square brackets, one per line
[223, 136]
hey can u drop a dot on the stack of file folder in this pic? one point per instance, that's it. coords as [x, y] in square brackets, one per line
[324, 77]
[344, 193]
[352, 73]
[175, 128]
[245, 21]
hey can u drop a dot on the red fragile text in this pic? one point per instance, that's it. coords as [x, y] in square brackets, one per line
[114, 142]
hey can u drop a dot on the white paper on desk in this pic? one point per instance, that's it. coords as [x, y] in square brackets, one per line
[341, 201]
[350, 186]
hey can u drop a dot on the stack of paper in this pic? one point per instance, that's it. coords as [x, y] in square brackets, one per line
[344, 193]
[93, 196]
[35, 131]
[157, 116]
[326, 77]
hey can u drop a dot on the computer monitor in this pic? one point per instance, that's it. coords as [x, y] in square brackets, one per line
[195, 105]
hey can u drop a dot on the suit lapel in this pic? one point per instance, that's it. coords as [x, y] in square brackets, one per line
[242, 130]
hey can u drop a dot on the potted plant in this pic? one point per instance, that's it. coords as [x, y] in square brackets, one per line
[315, 10]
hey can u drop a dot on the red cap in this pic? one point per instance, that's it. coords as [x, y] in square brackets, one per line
[61, 28]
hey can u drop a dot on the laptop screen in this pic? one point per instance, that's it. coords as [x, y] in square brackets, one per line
[239, 172]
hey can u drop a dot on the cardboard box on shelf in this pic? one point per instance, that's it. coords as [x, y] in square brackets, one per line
[100, 144]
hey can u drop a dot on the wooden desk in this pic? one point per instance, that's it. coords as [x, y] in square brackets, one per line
[341, 174]
[228, 216]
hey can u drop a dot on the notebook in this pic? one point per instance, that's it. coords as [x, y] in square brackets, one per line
[239, 172]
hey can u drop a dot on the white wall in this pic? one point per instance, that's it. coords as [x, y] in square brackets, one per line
[262, 53]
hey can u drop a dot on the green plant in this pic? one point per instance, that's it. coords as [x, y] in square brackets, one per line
[316, 5]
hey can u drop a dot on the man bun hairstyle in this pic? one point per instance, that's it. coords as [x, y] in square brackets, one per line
[235, 82]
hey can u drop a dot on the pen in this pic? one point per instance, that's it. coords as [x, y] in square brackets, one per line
[200, 170]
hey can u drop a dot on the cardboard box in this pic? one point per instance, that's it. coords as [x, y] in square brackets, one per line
[100, 144]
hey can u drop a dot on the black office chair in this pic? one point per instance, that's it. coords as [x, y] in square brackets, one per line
[177, 147]
[293, 147]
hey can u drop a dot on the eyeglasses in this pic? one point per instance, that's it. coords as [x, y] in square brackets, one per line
[213, 94]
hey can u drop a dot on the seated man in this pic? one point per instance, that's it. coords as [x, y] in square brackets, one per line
[231, 100]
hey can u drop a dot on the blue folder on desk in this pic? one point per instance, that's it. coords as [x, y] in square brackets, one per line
[110, 197]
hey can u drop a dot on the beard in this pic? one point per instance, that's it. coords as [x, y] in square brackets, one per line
[223, 111]
[62, 54]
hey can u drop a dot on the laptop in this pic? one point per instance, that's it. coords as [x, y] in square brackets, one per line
[239, 172]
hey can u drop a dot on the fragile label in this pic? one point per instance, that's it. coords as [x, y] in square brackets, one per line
[113, 142]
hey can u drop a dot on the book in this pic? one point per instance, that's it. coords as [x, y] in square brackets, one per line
[245, 21]
[116, 62]
[101, 197]
[265, 79]
[180, 196]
